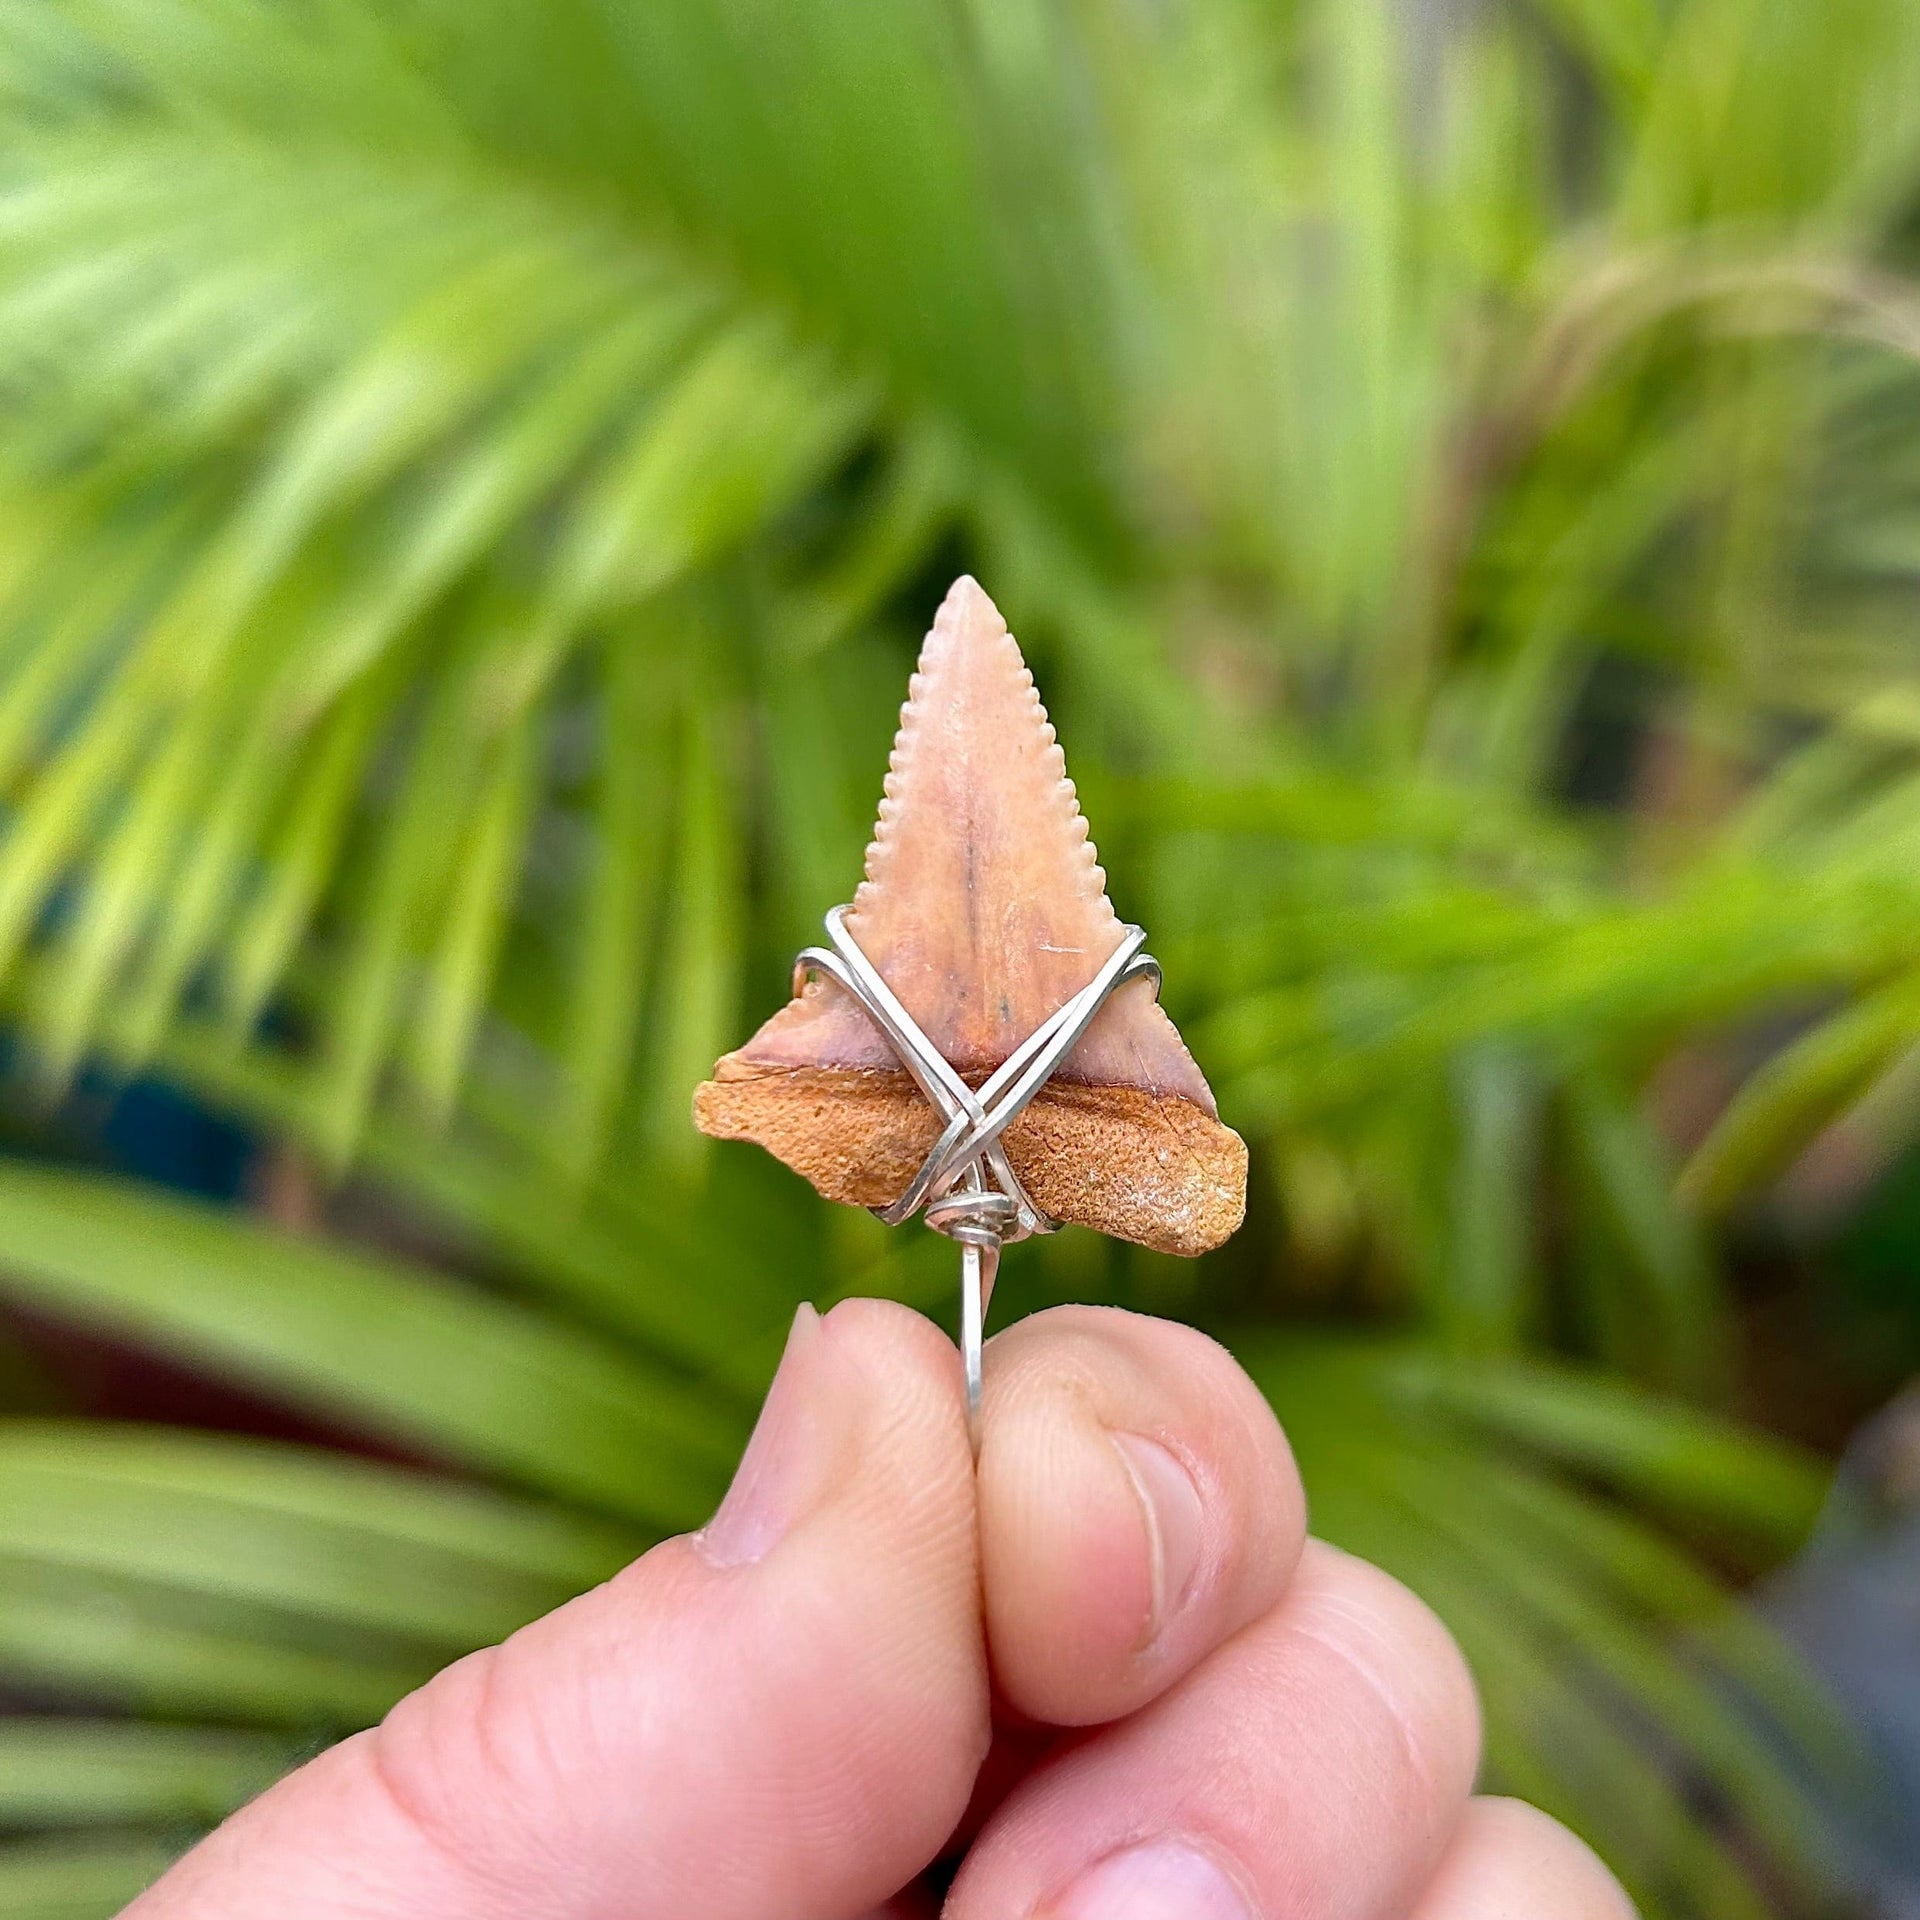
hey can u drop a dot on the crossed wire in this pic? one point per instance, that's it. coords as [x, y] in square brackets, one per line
[966, 1182]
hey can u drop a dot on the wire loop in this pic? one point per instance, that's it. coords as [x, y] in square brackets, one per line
[966, 1183]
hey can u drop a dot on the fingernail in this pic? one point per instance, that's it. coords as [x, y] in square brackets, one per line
[791, 1454]
[1165, 1880]
[1175, 1520]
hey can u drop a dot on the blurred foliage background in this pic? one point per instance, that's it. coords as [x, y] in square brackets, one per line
[474, 476]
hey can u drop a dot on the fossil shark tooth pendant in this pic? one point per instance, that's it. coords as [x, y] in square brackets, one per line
[982, 918]
[984, 910]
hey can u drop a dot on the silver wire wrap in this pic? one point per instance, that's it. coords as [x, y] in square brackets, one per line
[966, 1183]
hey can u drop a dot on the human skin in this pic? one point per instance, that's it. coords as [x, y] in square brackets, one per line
[1109, 1675]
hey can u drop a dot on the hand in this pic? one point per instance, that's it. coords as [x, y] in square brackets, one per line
[866, 1662]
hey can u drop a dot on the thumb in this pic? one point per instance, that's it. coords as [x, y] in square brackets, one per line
[781, 1715]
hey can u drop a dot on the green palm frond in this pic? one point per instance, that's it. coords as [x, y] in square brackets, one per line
[85, 1773]
[74, 1879]
[404, 1355]
[1593, 1635]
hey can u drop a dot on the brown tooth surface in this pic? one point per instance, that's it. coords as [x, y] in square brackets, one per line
[984, 909]
[1147, 1167]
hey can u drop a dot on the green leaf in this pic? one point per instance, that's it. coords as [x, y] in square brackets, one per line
[392, 1351]
[651, 1260]
[89, 1879]
[460, 977]
[1492, 1223]
[57, 1773]
[1623, 38]
[300, 860]
[1688, 1706]
[308, 1535]
[699, 971]
[1581, 1622]
[471, 507]
[1758, 1488]
[1797, 1092]
[735, 437]
[403, 891]
[617, 930]
[126, 1645]
[63, 809]
[1668, 1328]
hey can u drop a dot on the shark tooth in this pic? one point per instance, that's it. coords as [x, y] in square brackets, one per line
[984, 909]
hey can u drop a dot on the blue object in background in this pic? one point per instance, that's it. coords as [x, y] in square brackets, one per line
[154, 1132]
[1851, 1603]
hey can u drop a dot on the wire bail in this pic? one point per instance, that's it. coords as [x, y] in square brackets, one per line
[966, 1183]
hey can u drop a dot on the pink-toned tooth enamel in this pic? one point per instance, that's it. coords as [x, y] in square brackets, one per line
[983, 906]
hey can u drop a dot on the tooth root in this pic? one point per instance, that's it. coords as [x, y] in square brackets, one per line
[984, 908]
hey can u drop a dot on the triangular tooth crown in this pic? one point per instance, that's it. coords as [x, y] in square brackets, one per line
[983, 905]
